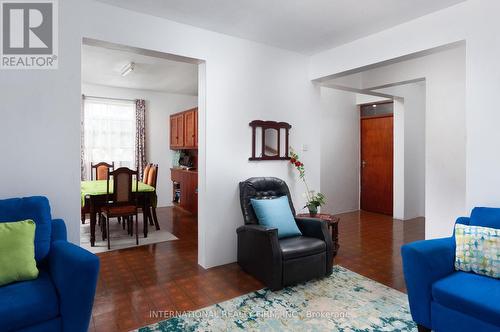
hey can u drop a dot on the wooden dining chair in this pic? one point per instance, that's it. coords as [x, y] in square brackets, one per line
[84, 210]
[152, 180]
[152, 175]
[101, 170]
[122, 202]
[145, 173]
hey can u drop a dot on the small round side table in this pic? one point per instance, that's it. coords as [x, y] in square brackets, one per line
[333, 225]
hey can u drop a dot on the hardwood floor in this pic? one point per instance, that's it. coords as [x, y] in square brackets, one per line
[370, 245]
[166, 278]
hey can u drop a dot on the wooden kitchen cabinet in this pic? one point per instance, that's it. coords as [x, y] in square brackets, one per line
[190, 128]
[196, 129]
[176, 131]
[184, 130]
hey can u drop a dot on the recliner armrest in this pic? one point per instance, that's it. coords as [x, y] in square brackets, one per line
[259, 253]
[74, 272]
[313, 227]
[257, 228]
[425, 262]
[317, 228]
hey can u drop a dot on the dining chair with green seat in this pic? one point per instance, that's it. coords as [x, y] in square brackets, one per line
[122, 201]
[151, 169]
[145, 173]
[152, 180]
[101, 170]
[83, 212]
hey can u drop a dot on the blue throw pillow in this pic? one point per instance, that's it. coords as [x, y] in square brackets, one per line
[276, 213]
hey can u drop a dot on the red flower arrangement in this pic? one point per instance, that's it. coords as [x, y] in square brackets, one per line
[314, 200]
[294, 160]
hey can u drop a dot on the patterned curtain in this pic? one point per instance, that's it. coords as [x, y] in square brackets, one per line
[83, 169]
[140, 137]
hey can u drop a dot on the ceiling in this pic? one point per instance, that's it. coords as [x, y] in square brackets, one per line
[103, 66]
[305, 26]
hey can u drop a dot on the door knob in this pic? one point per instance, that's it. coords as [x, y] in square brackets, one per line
[363, 163]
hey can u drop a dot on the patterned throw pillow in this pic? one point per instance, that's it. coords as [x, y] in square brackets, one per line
[478, 250]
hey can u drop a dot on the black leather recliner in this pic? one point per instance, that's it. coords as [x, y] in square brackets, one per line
[280, 262]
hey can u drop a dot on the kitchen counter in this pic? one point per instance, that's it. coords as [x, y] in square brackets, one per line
[186, 182]
[180, 169]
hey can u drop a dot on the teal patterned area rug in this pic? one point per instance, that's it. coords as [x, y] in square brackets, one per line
[343, 302]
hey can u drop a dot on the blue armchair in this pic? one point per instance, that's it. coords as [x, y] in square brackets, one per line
[443, 299]
[61, 298]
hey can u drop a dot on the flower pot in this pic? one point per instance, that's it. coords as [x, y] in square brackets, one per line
[313, 210]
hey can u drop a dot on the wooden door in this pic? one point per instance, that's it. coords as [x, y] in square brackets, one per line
[377, 164]
[189, 129]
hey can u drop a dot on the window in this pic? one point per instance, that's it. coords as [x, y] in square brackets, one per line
[109, 132]
[377, 109]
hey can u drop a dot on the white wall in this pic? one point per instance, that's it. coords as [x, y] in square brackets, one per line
[455, 101]
[444, 124]
[409, 148]
[159, 106]
[366, 99]
[244, 81]
[339, 150]
[414, 149]
[39, 126]
[444, 73]
[414, 101]
[399, 151]
[439, 116]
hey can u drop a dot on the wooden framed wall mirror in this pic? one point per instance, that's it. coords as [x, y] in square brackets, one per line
[269, 140]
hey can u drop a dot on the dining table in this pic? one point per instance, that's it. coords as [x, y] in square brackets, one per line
[93, 195]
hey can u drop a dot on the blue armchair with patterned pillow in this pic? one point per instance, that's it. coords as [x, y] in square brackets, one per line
[61, 297]
[444, 299]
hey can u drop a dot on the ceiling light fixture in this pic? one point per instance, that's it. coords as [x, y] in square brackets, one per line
[127, 69]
